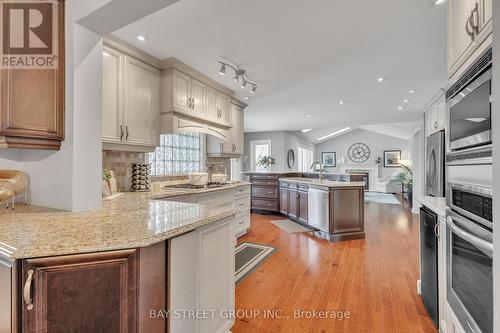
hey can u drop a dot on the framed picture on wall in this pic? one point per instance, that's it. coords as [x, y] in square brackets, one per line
[392, 158]
[329, 159]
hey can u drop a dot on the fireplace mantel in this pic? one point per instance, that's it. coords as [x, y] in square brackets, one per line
[371, 169]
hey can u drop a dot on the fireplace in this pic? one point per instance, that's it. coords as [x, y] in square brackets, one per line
[360, 176]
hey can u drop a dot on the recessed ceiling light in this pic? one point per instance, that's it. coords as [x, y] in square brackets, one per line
[306, 130]
[439, 2]
[142, 38]
[334, 133]
[246, 97]
[381, 79]
[411, 91]
[400, 108]
[341, 102]
[309, 116]
[405, 101]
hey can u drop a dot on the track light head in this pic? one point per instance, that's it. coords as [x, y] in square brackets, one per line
[254, 88]
[222, 70]
[243, 84]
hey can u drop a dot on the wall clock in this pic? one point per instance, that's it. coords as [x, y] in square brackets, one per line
[358, 153]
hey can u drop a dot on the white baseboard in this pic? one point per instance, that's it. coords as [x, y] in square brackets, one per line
[419, 287]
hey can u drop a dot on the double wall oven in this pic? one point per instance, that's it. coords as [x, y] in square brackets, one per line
[469, 221]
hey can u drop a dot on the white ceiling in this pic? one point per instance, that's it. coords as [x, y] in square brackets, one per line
[308, 55]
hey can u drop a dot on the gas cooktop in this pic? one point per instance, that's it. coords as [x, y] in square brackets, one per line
[195, 187]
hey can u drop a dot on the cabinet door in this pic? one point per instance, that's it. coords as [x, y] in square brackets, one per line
[284, 200]
[112, 96]
[141, 103]
[224, 110]
[211, 105]
[81, 293]
[460, 44]
[303, 207]
[441, 114]
[486, 13]
[202, 276]
[237, 135]
[198, 98]
[428, 122]
[181, 91]
[293, 204]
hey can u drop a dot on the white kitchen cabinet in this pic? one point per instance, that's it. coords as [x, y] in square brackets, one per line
[469, 25]
[435, 115]
[442, 275]
[112, 96]
[201, 276]
[141, 103]
[183, 94]
[130, 103]
[233, 146]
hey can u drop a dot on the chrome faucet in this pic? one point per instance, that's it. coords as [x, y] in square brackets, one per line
[314, 164]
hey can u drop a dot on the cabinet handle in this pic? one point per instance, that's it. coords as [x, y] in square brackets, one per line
[121, 132]
[436, 230]
[475, 27]
[27, 291]
[126, 133]
[193, 103]
[467, 30]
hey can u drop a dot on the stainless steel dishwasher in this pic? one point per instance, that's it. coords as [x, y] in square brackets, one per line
[318, 208]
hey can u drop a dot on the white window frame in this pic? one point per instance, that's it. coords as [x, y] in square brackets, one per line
[300, 166]
[253, 143]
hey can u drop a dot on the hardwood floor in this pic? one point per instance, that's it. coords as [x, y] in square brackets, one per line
[373, 279]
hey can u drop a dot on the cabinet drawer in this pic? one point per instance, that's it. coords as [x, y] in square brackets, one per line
[242, 203]
[242, 222]
[270, 183]
[263, 177]
[270, 204]
[265, 192]
[242, 191]
[303, 188]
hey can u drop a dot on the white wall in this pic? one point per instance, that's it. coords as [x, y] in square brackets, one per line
[376, 142]
[496, 162]
[281, 142]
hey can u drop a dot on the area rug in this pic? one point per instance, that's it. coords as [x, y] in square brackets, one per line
[248, 257]
[290, 226]
[377, 197]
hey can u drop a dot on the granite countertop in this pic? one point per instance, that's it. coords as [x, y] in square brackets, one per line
[129, 221]
[436, 204]
[174, 192]
[323, 183]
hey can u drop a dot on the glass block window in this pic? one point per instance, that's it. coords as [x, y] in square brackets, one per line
[177, 154]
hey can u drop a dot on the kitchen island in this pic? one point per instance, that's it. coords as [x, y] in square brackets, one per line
[333, 208]
[122, 266]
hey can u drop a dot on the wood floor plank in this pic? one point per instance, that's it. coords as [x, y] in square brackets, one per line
[374, 279]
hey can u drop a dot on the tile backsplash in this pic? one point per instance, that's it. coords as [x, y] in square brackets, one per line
[121, 163]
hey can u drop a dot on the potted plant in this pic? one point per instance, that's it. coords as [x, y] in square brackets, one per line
[406, 179]
[265, 161]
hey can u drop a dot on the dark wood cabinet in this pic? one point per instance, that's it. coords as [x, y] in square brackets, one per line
[284, 200]
[96, 292]
[32, 99]
[265, 192]
[293, 203]
[303, 205]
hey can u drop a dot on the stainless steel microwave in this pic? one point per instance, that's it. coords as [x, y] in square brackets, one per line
[469, 114]
[469, 107]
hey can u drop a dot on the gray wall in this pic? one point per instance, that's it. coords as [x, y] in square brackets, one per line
[376, 142]
[281, 142]
[496, 162]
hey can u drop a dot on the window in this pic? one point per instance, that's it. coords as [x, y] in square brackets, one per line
[177, 154]
[259, 149]
[304, 159]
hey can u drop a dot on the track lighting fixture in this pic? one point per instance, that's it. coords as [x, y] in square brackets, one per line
[239, 76]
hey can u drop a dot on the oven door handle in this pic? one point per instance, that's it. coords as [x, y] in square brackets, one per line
[484, 246]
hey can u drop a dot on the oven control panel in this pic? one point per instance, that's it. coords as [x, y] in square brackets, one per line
[476, 204]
